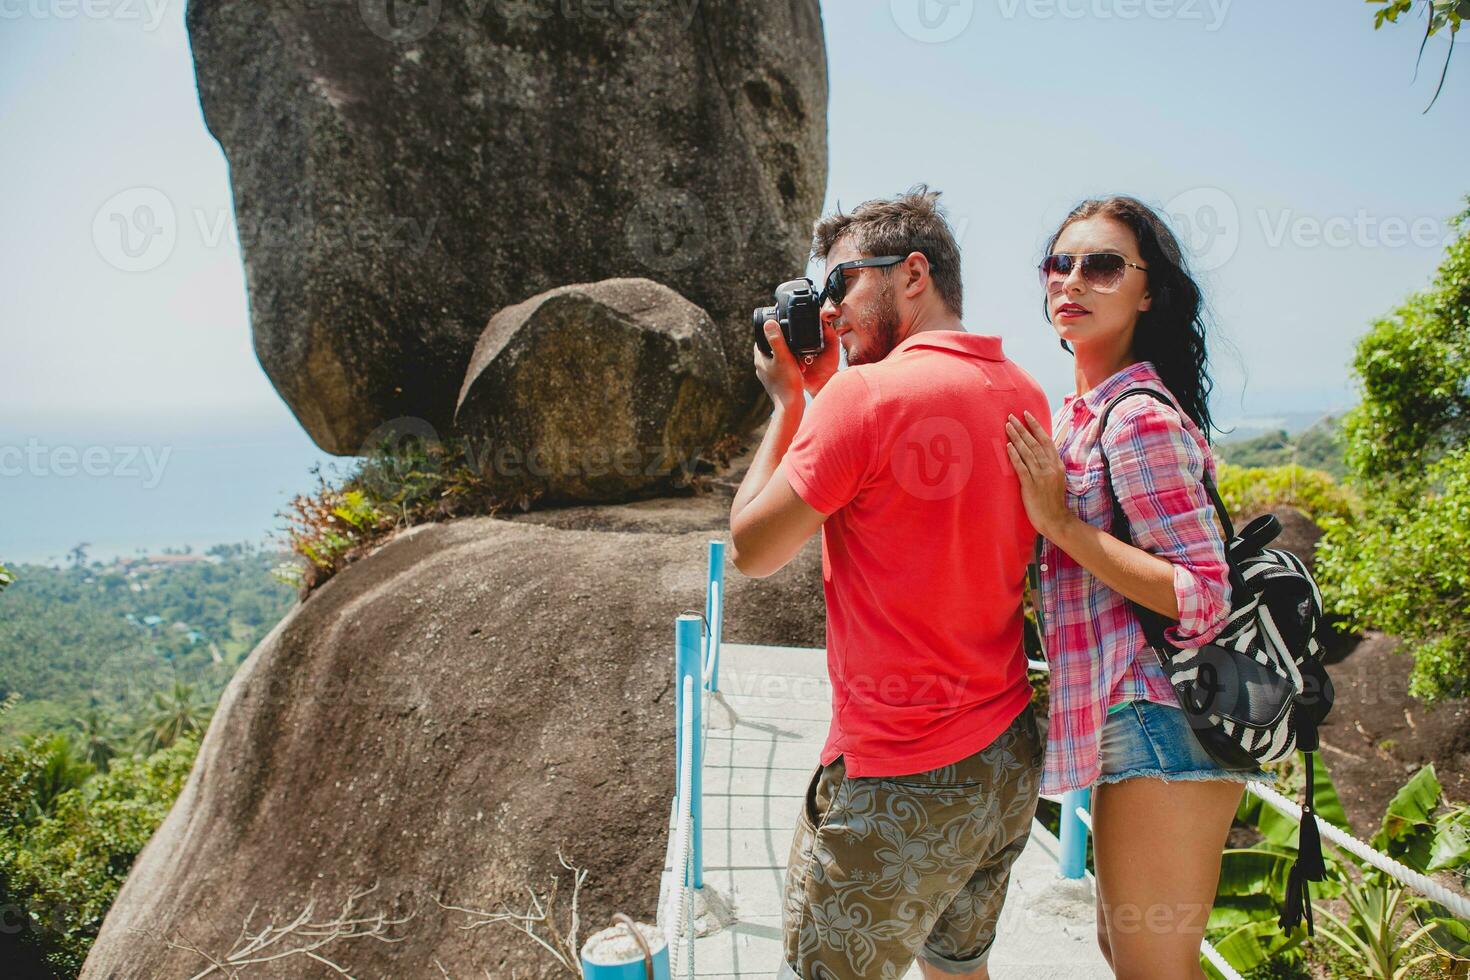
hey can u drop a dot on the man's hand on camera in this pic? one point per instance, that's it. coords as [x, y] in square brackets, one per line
[780, 374]
[820, 371]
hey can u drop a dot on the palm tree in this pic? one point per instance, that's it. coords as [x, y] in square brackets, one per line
[61, 769]
[99, 739]
[175, 715]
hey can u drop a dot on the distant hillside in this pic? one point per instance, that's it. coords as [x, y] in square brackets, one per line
[1319, 447]
[111, 635]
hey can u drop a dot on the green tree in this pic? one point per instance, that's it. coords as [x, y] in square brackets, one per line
[98, 738]
[176, 714]
[1440, 15]
[1404, 566]
[59, 873]
[60, 769]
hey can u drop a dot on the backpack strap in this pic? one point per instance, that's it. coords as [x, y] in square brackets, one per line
[1153, 623]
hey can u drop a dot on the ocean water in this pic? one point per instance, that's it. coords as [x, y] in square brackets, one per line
[129, 486]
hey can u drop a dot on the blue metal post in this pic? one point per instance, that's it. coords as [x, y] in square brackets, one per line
[687, 663]
[1074, 833]
[627, 969]
[716, 583]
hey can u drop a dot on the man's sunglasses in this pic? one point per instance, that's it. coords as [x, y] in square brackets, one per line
[1102, 271]
[836, 286]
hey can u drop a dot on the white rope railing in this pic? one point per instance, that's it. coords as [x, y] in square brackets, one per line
[1218, 962]
[1423, 884]
[675, 911]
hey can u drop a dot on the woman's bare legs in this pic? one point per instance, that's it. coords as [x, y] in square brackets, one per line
[1157, 848]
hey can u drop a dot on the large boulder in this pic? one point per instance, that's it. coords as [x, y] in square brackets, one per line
[402, 172]
[600, 391]
[438, 720]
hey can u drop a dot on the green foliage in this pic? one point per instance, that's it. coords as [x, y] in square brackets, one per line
[1372, 932]
[1385, 931]
[1405, 569]
[398, 484]
[1319, 447]
[75, 640]
[1404, 565]
[1441, 15]
[1243, 923]
[1429, 834]
[1414, 370]
[1251, 490]
[7, 577]
[176, 714]
[63, 868]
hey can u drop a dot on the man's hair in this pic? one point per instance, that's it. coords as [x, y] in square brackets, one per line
[911, 222]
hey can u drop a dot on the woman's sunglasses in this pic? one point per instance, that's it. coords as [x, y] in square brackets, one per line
[1102, 271]
[836, 286]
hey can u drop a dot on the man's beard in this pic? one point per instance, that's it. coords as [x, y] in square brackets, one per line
[880, 330]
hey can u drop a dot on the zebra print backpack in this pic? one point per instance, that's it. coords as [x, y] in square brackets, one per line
[1257, 691]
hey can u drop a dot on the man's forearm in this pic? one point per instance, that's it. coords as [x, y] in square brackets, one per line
[785, 420]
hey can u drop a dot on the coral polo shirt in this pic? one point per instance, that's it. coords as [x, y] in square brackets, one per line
[924, 551]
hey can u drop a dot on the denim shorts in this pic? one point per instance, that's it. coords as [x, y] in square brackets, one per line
[1141, 738]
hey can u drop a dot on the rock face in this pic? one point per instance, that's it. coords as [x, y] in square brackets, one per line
[402, 172]
[439, 719]
[593, 392]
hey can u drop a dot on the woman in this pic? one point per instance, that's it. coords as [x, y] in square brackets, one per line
[1118, 293]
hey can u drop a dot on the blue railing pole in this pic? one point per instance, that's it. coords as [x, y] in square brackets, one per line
[1074, 833]
[687, 663]
[712, 615]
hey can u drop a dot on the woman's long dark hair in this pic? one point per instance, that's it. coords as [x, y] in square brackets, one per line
[1171, 332]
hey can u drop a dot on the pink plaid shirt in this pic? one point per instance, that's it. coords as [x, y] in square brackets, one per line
[1095, 646]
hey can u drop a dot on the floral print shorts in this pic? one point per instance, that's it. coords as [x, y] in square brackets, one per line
[887, 868]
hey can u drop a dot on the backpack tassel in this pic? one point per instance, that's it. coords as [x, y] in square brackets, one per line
[1308, 866]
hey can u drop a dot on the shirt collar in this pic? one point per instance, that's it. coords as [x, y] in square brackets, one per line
[1109, 389]
[986, 346]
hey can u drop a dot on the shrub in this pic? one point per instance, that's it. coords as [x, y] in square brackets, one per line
[63, 869]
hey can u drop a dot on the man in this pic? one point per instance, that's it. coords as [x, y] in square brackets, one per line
[928, 781]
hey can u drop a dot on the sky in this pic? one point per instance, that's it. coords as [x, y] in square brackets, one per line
[1286, 141]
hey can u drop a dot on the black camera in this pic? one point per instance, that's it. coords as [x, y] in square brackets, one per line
[797, 308]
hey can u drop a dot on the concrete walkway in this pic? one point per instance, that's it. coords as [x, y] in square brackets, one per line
[754, 776]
